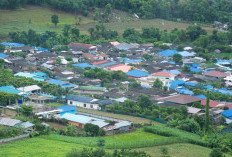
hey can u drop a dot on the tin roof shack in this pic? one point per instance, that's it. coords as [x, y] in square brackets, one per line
[81, 120]
[27, 126]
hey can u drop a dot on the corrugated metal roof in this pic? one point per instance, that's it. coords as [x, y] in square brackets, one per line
[99, 123]
[78, 118]
[107, 64]
[9, 121]
[10, 89]
[137, 73]
[186, 54]
[80, 98]
[84, 65]
[55, 82]
[168, 53]
[67, 108]
[2, 55]
[29, 88]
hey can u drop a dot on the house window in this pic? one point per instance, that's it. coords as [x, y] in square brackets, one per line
[84, 105]
[91, 106]
[71, 102]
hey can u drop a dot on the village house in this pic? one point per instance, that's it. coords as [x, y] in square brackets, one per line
[215, 75]
[82, 101]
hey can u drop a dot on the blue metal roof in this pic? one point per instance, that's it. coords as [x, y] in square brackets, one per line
[191, 84]
[168, 53]
[228, 113]
[208, 87]
[11, 44]
[78, 118]
[67, 108]
[185, 91]
[137, 73]
[107, 64]
[192, 69]
[41, 49]
[173, 72]
[55, 82]
[84, 65]
[10, 89]
[40, 74]
[201, 96]
[79, 98]
[128, 60]
[176, 83]
[68, 85]
[2, 55]
[224, 91]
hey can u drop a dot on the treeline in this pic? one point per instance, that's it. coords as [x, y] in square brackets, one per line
[190, 10]
[195, 35]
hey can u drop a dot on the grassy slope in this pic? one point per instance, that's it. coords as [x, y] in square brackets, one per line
[179, 150]
[55, 145]
[18, 20]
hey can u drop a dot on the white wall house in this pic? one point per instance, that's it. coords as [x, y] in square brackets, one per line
[82, 101]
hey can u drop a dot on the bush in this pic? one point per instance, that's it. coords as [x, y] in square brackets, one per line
[216, 153]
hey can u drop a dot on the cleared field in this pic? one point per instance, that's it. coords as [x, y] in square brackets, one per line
[39, 19]
[37, 147]
[137, 120]
[139, 24]
[36, 18]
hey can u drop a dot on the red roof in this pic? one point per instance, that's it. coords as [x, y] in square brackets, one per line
[212, 103]
[215, 74]
[80, 45]
[100, 62]
[165, 74]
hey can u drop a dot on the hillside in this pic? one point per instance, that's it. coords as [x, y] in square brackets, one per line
[39, 19]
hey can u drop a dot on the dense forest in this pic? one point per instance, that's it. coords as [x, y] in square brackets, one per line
[189, 10]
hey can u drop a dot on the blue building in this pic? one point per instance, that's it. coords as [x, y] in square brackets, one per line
[67, 109]
[136, 73]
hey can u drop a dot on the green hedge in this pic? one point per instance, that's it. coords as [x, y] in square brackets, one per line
[173, 132]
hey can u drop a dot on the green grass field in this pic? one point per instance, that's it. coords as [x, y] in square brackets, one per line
[179, 150]
[39, 19]
[137, 120]
[58, 146]
[54, 104]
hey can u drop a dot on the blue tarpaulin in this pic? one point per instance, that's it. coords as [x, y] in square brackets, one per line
[2, 55]
[168, 53]
[228, 113]
[11, 44]
[177, 83]
[137, 73]
[201, 96]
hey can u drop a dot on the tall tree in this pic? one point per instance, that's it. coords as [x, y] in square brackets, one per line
[55, 19]
[207, 113]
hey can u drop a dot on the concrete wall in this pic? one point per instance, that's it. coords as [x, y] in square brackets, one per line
[84, 105]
